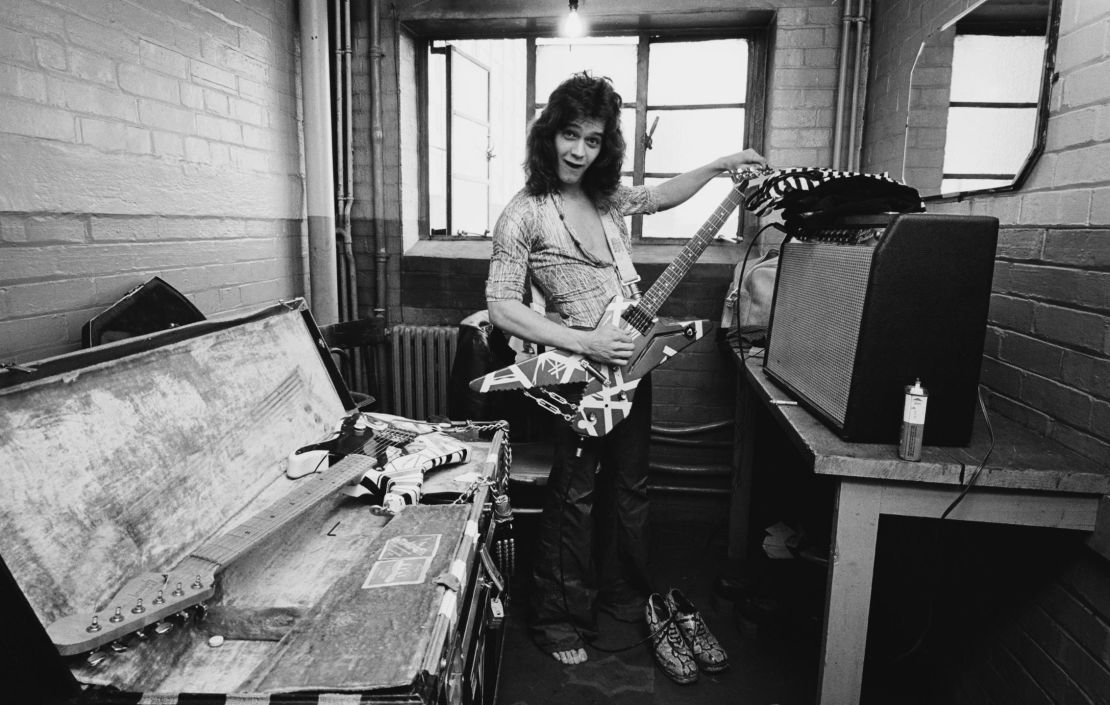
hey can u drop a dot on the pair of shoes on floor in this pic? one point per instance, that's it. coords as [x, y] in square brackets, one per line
[680, 640]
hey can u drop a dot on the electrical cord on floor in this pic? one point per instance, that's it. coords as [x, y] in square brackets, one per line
[982, 463]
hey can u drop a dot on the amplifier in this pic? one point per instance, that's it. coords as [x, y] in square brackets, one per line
[865, 307]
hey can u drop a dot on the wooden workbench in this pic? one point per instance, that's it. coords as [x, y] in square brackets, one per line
[1027, 481]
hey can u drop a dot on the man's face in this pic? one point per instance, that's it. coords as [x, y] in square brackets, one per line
[576, 148]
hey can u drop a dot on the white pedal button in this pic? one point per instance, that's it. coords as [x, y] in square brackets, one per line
[215, 640]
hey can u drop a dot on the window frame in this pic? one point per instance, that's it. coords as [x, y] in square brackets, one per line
[754, 106]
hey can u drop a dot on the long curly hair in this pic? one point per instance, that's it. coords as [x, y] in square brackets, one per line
[580, 96]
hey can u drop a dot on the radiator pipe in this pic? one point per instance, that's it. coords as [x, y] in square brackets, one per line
[319, 190]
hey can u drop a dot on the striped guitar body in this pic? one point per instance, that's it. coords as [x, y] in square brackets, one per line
[609, 390]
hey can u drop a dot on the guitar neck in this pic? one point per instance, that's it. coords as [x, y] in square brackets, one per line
[309, 492]
[648, 305]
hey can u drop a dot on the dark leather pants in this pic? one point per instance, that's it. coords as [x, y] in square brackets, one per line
[593, 542]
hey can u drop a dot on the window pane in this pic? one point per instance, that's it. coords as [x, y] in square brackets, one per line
[981, 140]
[469, 88]
[954, 185]
[685, 220]
[698, 73]
[684, 139]
[437, 189]
[469, 141]
[614, 57]
[991, 69]
[469, 208]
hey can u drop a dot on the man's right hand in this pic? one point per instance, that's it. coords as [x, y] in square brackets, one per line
[608, 344]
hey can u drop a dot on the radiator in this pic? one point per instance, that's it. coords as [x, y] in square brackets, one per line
[420, 364]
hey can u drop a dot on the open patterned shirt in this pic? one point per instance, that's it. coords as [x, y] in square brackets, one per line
[531, 235]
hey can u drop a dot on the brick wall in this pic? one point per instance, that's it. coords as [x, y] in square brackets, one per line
[1047, 358]
[144, 139]
[801, 100]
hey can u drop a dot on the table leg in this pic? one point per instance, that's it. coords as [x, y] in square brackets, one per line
[848, 597]
[739, 517]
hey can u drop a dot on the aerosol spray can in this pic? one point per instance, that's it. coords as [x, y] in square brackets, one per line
[913, 422]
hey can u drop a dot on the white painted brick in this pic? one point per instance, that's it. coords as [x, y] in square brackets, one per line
[805, 38]
[86, 98]
[197, 150]
[221, 154]
[22, 118]
[165, 117]
[36, 299]
[219, 129]
[16, 46]
[206, 73]
[1056, 208]
[1087, 85]
[1072, 128]
[22, 83]
[162, 59]
[1081, 46]
[34, 17]
[1088, 164]
[19, 338]
[114, 136]
[1100, 207]
[91, 67]
[48, 53]
[192, 96]
[12, 229]
[99, 37]
[250, 159]
[168, 144]
[147, 83]
[46, 230]
[254, 43]
[216, 102]
[246, 111]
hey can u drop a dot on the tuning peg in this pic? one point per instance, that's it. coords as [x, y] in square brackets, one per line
[163, 626]
[160, 599]
[94, 625]
[118, 646]
[118, 616]
[95, 658]
[138, 608]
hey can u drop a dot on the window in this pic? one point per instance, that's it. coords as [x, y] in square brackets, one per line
[687, 100]
[996, 82]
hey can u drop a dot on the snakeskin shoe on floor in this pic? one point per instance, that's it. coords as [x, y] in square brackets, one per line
[670, 648]
[708, 653]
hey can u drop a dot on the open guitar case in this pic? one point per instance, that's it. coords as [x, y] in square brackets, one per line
[119, 460]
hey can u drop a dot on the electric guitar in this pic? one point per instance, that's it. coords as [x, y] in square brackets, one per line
[152, 597]
[609, 389]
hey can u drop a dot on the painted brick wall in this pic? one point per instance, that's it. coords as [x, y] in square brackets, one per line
[144, 139]
[801, 100]
[1047, 359]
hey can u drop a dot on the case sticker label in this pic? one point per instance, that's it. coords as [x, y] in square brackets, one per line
[404, 560]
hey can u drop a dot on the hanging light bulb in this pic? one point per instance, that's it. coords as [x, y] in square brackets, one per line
[573, 26]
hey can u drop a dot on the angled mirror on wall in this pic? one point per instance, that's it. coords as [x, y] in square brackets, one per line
[978, 103]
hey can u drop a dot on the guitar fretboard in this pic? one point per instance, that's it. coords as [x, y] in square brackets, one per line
[641, 315]
[308, 492]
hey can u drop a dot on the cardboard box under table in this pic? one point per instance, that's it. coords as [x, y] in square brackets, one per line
[165, 456]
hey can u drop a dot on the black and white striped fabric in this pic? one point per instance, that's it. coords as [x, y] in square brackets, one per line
[768, 195]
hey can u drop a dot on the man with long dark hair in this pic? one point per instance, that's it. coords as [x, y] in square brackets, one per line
[566, 229]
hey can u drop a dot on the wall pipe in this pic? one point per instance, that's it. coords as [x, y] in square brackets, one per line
[319, 190]
[344, 158]
[841, 82]
[858, 20]
[378, 170]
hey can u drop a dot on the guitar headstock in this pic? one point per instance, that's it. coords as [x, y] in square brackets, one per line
[143, 601]
[743, 177]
